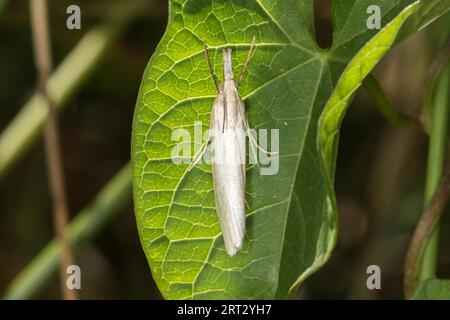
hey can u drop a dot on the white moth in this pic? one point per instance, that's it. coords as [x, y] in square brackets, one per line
[228, 129]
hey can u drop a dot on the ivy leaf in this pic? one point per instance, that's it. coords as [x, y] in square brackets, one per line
[292, 218]
[433, 289]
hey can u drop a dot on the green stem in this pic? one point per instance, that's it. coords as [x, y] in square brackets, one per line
[383, 103]
[436, 154]
[83, 228]
[436, 158]
[63, 83]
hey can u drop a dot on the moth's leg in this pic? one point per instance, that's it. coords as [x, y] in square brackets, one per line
[252, 146]
[252, 139]
[246, 203]
[253, 142]
[249, 56]
[246, 125]
[211, 72]
[200, 153]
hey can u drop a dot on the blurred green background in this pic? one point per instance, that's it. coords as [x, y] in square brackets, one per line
[379, 181]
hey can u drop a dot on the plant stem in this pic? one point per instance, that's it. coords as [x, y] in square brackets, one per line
[24, 130]
[383, 103]
[421, 259]
[423, 234]
[85, 226]
[436, 158]
[438, 142]
[44, 61]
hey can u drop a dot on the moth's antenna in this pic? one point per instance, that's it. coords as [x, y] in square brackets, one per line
[249, 56]
[211, 72]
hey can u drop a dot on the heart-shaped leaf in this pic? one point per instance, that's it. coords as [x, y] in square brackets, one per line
[291, 219]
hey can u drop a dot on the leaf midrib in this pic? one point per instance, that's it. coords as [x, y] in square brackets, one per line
[292, 187]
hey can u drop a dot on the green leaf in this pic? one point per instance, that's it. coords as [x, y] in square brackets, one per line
[291, 219]
[433, 289]
[412, 18]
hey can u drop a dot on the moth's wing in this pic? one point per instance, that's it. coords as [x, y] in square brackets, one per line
[242, 123]
[200, 153]
[228, 178]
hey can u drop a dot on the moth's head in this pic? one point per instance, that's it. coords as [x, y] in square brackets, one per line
[227, 65]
